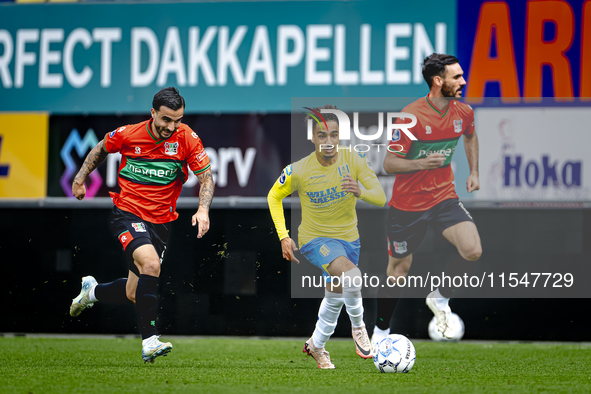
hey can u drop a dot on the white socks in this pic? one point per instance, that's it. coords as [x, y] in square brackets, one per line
[440, 300]
[328, 315]
[91, 296]
[352, 294]
[381, 333]
[144, 341]
[355, 311]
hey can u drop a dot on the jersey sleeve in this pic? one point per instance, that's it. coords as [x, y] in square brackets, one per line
[469, 122]
[113, 141]
[400, 143]
[198, 160]
[281, 189]
[373, 193]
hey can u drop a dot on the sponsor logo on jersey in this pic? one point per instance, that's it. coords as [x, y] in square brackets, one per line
[284, 174]
[428, 129]
[447, 152]
[201, 155]
[139, 227]
[120, 129]
[112, 133]
[395, 135]
[171, 148]
[325, 196]
[421, 149]
[458, 126]
[324, 250]
[400, 247]
[151, 172]
[138, 150]
[344, 170]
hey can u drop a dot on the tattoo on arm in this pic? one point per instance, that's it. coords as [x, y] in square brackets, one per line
[96, 156]
[207, 188]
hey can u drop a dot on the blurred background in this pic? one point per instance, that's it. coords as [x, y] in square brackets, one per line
[71, 71]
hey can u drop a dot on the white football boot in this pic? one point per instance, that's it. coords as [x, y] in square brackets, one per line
[81, 302]
[443, 316]
[154, 348]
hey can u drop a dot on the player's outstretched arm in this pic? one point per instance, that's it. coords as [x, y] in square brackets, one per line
[205, 198]
[96, 156]
[280, 190]
[398, 165]
[471, 148]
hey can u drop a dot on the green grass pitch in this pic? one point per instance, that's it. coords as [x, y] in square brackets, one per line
[222, 365]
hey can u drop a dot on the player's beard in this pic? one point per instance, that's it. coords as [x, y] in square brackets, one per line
[162, 130]
[448, 92]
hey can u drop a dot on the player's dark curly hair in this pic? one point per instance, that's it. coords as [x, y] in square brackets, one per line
[168, 97]
[327, 117]
[434, 65]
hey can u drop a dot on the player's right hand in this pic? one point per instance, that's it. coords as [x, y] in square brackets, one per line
[78, 191]
[434, 160]
[288, 246]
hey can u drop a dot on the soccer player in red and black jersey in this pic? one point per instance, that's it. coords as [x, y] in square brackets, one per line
[155, 156]
[424, 195]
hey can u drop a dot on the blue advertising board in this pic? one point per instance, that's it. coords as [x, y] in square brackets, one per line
[224, 57]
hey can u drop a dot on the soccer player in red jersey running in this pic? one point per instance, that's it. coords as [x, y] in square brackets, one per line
[423, 193]
[154, 159]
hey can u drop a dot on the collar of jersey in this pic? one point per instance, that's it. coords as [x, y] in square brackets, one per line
[435, 108]
[149, 128]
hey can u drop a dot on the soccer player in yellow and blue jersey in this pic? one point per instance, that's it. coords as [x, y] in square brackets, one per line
[327, 182]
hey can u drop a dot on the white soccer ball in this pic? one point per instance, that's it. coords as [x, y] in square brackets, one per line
[394, 354]
[456, 323]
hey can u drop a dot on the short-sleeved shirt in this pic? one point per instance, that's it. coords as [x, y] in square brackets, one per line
[436, 132]
[152, 170]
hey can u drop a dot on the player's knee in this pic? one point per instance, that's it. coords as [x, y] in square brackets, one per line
[151, 267]
[352, 281]
[474, 253]
[131, 295]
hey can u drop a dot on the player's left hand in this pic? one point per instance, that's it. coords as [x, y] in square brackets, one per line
[201, 217]
[472, 183]
[288, 247]
[349, 185]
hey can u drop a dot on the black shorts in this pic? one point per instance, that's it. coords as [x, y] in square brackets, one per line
[406, 229]
[133, 232]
